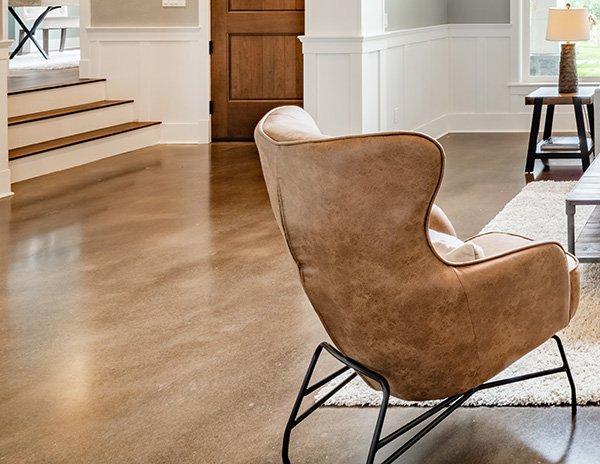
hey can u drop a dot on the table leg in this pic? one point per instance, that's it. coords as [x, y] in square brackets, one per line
[571, 227]
[548, 130]
[533, 135]
[549, 121]
[590, 111]
[581, 133]
[30, 33]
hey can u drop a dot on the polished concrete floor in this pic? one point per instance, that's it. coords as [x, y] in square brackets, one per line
[150, 313]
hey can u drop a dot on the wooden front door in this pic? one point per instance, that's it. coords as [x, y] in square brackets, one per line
[256, 62]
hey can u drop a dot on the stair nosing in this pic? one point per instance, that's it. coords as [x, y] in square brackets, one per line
[68, 110]
[83, 137]
[55, 86]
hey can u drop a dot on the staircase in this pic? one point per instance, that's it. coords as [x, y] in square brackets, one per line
[60, 126]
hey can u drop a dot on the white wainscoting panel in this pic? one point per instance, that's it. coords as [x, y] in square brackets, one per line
[394, 104]
[394, 81]
[168, 76]
[440, 79]
[497, 75]
[480, 66]
[463, 75]
[372, 93]
[416, 97]
[333, 94]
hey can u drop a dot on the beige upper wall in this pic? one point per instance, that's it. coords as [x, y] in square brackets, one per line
[142, 13]
[479, 11]
[408, 14]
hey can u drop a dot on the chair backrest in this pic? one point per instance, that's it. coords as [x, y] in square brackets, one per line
[32, 12]
[354, 213]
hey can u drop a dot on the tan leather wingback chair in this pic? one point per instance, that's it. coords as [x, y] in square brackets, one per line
[355, 213]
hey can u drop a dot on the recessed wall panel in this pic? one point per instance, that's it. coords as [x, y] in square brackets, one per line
[265, 67]
[266, 5]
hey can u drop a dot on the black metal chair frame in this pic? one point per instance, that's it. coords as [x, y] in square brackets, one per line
[445, 408]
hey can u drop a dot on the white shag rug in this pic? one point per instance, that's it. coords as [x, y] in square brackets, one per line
[35, 60]
[538, 212]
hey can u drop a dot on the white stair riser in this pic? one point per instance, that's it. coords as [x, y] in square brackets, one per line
[48, 99]
[76, 155]
[20, 135]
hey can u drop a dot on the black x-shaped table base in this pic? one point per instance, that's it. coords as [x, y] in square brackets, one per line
[30, 33]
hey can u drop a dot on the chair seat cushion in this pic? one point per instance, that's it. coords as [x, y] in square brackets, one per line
[453, 249]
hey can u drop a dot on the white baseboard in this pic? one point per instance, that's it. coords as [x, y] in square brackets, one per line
[5, 184]
[436, 128]
[186, 132]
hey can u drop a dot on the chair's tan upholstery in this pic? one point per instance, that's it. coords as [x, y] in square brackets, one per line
[355, 211]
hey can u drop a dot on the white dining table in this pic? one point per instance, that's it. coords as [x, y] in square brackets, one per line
[30, 32]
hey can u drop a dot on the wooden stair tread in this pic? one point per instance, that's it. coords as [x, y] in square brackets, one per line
[83, 137]
[64, 111]
[54, 86]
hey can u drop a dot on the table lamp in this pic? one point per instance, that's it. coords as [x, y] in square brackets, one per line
[568, 25]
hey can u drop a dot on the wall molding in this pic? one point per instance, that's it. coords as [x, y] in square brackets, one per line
[144, 34]
[480, 30]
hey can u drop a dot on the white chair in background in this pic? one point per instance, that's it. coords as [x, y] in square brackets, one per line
[56, 19]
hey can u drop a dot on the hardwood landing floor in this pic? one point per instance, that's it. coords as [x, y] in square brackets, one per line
[29, 79]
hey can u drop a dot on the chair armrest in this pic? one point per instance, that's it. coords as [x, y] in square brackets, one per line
[517, 300]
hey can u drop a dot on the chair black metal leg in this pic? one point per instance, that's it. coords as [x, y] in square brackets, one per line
[375, 441]
[305, 390]
[567, 371]
[435, 414]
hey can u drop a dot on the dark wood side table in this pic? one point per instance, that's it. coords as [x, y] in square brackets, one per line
[560, 147]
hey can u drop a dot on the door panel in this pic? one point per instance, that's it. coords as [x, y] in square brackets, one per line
[265, 5]
[269, 67]
[256, 62]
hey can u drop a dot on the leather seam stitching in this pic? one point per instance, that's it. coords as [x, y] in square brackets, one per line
[470, 317]
[286, 232]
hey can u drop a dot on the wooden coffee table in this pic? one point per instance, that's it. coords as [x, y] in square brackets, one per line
[585, 192]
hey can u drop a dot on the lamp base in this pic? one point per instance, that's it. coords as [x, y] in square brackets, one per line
[567, 78]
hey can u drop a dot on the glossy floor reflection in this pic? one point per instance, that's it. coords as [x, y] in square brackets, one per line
[150, 313]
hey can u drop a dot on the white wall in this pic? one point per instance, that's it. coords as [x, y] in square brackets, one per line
[358, 79]
[408, 14]
[479, 11]
[164, 69]
[438, 79]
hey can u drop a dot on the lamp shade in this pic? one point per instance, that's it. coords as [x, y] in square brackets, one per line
[568, 24]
